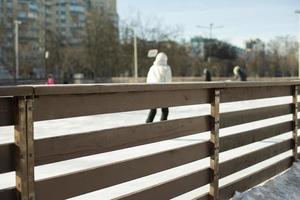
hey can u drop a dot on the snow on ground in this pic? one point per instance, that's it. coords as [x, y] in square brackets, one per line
[90, 123]
[285, 186]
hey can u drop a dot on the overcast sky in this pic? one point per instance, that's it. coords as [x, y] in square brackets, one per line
[242, 19]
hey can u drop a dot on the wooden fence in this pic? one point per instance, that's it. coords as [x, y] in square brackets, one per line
[22, 106]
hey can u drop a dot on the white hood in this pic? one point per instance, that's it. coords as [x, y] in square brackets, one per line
[160, 71]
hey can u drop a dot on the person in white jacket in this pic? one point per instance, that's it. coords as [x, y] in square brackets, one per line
[159, 72]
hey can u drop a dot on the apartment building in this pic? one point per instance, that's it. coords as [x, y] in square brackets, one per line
[30, 18]
[68, 18]
[64, 19]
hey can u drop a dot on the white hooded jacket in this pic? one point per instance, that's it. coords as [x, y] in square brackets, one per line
[160, 71]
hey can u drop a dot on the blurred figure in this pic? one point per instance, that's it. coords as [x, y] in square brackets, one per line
[239, 74]
[159, 72]
[50, 80]
[206, 75]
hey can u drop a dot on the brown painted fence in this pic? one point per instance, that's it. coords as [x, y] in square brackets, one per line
[22, 106]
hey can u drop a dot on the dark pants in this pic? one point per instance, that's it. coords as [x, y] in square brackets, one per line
[152, 113]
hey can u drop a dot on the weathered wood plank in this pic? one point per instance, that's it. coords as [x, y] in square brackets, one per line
[21, 151]
[254, 179]
[203, 197]
[237, 140]
[8, 194]
[113, 88]
[239, 94]
[173, 188]
[7, 157]
[247, 160]
[56, 107]
[246, 116]
[7, 111]
[30, 148]
[295, 120]
[120, 88]
[16, 91]
[215, 140]
[100, 177]
[72, 146]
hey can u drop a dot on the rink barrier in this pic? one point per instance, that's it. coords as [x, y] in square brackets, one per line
[54, 149]
[251, 115]
[21, 106]
[295, 122]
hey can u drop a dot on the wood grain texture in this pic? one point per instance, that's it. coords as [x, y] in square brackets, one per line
[6, 91]
[8, 194]
[100, 177]
[247, 160]
[250, 93]
[251, 115]
[241, 185]
[173, 188]
[7, 111]
[115, 88]
[7, 157]
[57, 107]
[72, 146]
[237, 140]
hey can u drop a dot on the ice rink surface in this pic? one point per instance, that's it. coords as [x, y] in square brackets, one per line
[91, 123]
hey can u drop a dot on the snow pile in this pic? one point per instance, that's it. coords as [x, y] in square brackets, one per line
[283, 187]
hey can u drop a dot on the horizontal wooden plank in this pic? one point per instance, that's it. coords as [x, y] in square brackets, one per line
[241, 94]
[237, 140]
[244, 161]
[112, 88]
[120, 88]
[100, 177]
[254, 179]
[246, 116]
[8, 194]
[7, 157]
[7, 111]
[72, 146]
[56, 107]
[203, 197]
[16, 91]
[173, 188]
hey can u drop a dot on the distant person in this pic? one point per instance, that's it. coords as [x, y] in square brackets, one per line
[50, 80]
[159, 72]
[239, 74]
[206, 75]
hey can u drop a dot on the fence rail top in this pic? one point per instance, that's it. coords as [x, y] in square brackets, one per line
[16, 91]
[113, 88]
[28, 90]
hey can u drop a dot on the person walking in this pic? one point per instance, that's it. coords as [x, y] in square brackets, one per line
[206, 75]
[239, 74]
[159, 72]
[50, 80]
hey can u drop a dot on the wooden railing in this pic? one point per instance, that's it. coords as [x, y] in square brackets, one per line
[22, 106]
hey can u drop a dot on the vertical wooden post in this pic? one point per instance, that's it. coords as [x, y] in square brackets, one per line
[21, 152]
[25, 149]
[214, 138]
[30, 148]
[295, 120]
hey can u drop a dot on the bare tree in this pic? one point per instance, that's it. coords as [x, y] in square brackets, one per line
[151, 33]
[101, 45]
